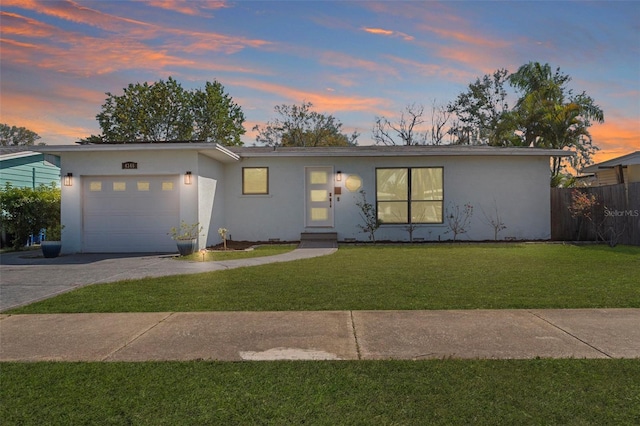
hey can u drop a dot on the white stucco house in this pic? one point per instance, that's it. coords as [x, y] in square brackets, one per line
[125, 198]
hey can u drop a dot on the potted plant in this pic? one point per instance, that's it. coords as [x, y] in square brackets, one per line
[186, 237]
[53, 244]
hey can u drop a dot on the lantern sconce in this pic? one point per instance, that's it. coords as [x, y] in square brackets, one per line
[339, 176]
[68, 179]
[187, 178]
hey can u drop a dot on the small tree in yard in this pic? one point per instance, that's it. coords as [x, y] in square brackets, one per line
[25, 211]
[583, 205]
[411, 227]
[458, 219]
[369, 216]
[494, 220]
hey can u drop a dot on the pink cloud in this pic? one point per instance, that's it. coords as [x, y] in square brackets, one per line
[186, 7]
[381, 31]
[126, 27]
[433, 70]
[467, 38]
[341, 60]
[326, 102]
[616, 137]
[17, 25]
[457, 41]
[76, 53]
[196, 41]
[42, 115]
[74, 12]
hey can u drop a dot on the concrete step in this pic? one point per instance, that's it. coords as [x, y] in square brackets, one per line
[318, 240]
[306, 236]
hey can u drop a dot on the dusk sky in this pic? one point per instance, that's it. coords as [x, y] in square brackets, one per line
[354, 60]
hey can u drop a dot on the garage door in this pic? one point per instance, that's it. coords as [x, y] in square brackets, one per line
[130, 214]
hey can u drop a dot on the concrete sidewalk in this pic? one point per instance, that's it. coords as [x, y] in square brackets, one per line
[27, 277]
[326, 335]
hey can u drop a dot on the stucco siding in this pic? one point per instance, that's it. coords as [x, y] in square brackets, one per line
[513, 184]
[88, 165]
[518, 186]
[210, 174]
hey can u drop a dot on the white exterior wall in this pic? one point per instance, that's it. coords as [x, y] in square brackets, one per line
[210, 200]
[518, 184]
[150, 163]
[280, 214]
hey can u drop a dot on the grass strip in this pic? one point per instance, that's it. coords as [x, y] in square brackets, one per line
[404, 277]
[571, 392]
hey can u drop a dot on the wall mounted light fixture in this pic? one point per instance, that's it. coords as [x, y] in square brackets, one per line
[339, 176]
[187, 178]
[68, 179]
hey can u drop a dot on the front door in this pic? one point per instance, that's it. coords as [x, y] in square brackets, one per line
[319, 196]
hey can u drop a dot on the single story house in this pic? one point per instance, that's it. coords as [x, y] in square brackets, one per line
[23, 168]
[624, 169]
[125, 198]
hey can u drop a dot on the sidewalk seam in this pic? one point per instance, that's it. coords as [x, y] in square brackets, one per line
[355, 336]
[136, 337]
[571, 334]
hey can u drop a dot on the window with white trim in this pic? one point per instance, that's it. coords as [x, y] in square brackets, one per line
[407, 195]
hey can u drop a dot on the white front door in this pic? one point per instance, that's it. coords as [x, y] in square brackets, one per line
[319, 196]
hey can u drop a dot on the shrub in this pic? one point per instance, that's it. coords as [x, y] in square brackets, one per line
[25, 211]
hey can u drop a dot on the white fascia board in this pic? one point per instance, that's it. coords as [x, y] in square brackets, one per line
[213, 150]
[397, 151]
[233, 154]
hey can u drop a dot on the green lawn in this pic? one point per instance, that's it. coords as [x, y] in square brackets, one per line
[383, 277]
[448, 276]
[568, 392]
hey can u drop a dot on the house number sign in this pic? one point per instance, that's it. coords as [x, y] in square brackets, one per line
[129, 165]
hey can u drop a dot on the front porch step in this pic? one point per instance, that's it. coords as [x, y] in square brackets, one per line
[318, 240]
[318, 236]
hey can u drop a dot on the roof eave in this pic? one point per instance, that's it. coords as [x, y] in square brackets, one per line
[212, 150]
[614, 162]
[377, 151]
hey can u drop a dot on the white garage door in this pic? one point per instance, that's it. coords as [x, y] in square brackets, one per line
[130, 214]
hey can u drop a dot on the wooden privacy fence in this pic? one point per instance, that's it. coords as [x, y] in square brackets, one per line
[615, 217]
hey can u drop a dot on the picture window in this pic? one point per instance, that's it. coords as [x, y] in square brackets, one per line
[409, 195]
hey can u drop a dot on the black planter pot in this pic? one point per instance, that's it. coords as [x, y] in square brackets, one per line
[186, 247]
[51, 248]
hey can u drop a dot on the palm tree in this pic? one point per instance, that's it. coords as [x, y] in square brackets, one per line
[548, 115]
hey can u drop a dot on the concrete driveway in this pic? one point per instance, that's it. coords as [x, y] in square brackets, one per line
[27, 277]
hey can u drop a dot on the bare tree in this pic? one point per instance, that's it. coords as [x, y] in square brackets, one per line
[494, 220]
[401, 132]
[439, 117]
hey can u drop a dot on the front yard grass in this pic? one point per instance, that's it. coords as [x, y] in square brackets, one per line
[386, 277]
[568, 392]
[456, 276]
